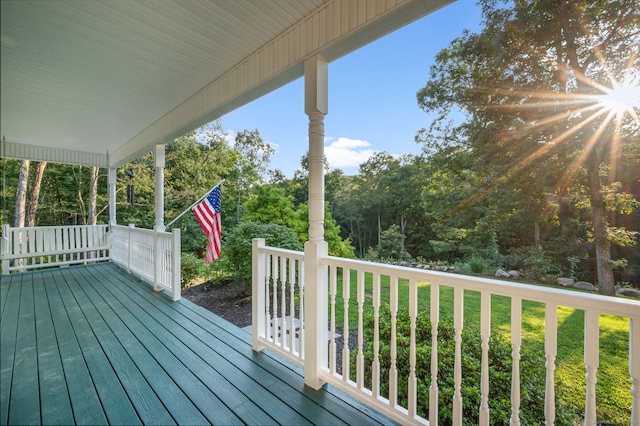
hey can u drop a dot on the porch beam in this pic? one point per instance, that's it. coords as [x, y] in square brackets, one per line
[315, 300]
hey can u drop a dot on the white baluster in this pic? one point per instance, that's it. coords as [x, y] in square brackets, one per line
[292, 307]
[375, 374]
[268, 326]
[485, 333]
[550, 349]
[434, 314]
[591, 361]
[413, 313]
[516, 342]
[346, 295]
[393, 370]
[333, 278]
[458, 320]
[360, 355]
[274, 294]
[301, 302]
[284, 327]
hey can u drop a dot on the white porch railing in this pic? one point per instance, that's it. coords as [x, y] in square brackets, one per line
[279, 295]
[152, 255]
[44, 246]
[278, 301]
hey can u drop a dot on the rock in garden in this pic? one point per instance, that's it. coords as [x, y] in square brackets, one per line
[628, 292]
[502, 273]
[514, 274]
[583, 285]
[566, 282]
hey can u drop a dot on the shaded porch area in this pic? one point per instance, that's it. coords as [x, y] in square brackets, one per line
[93, 345]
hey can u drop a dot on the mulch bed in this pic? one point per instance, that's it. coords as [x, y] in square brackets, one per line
[231, 300]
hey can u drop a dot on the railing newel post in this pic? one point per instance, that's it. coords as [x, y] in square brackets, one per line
[258, 293]
[315, 312]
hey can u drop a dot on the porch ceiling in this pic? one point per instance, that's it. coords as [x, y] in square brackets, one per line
[82, 79]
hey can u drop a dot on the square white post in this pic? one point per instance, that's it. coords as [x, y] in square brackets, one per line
[159, 211]
[258, 283]
[316, 286]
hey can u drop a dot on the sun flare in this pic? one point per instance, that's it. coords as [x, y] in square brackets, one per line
[622, 98]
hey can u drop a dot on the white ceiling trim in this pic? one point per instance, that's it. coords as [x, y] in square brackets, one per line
[94, 118]
[332, 31]
[54, 155]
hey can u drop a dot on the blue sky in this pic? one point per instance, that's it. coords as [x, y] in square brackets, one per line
[372, 97]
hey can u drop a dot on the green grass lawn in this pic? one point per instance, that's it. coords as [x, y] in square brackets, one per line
[613, 394]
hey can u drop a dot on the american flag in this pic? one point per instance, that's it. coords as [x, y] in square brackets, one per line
[207, 213]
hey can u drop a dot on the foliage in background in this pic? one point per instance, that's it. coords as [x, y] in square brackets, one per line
[237, 246]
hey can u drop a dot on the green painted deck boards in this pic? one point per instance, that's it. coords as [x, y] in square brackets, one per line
[95, 345]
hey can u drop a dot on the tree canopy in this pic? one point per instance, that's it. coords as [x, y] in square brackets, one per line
[538, 88]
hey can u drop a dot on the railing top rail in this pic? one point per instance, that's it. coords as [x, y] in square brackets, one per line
[286, 252]
[575, 299]
[28, 228]
[139, 230]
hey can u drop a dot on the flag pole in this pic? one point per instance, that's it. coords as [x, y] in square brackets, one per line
[192, 205]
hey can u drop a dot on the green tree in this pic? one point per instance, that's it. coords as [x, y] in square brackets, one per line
[236, 250]
[534, 86]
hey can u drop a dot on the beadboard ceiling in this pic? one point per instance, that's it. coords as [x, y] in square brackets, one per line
[101, 82]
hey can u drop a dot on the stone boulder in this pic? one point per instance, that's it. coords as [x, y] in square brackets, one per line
[583, 285]
[633, 292]
[566, 282]
[514, 274]
[502, 273]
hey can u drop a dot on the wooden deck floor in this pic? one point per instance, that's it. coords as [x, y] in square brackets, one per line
[95, 345]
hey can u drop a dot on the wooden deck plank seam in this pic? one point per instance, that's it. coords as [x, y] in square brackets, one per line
[172, 397]
[199, 358]
[8, 329]
[96, 356]
[180, 336]
[80, 379]
[199, 395]
[55, 401]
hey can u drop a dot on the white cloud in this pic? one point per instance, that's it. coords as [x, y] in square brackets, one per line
[345, 152]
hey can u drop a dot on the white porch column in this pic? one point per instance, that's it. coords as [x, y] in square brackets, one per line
[159, 224]
[315, 299]
[159, 183]
[112, 196]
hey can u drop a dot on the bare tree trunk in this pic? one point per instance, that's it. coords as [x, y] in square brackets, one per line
[606, 284]
[21, 194]
[93, 195]
[34, 194]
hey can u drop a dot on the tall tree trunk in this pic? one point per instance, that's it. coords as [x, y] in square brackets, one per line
[93, 195]
[606, 282]
[34, 194]
[21, 194]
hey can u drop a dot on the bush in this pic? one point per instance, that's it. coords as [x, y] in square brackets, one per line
[191, 268]
[478, 264]
[237, 245]
[533, 262]
[532, 371]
